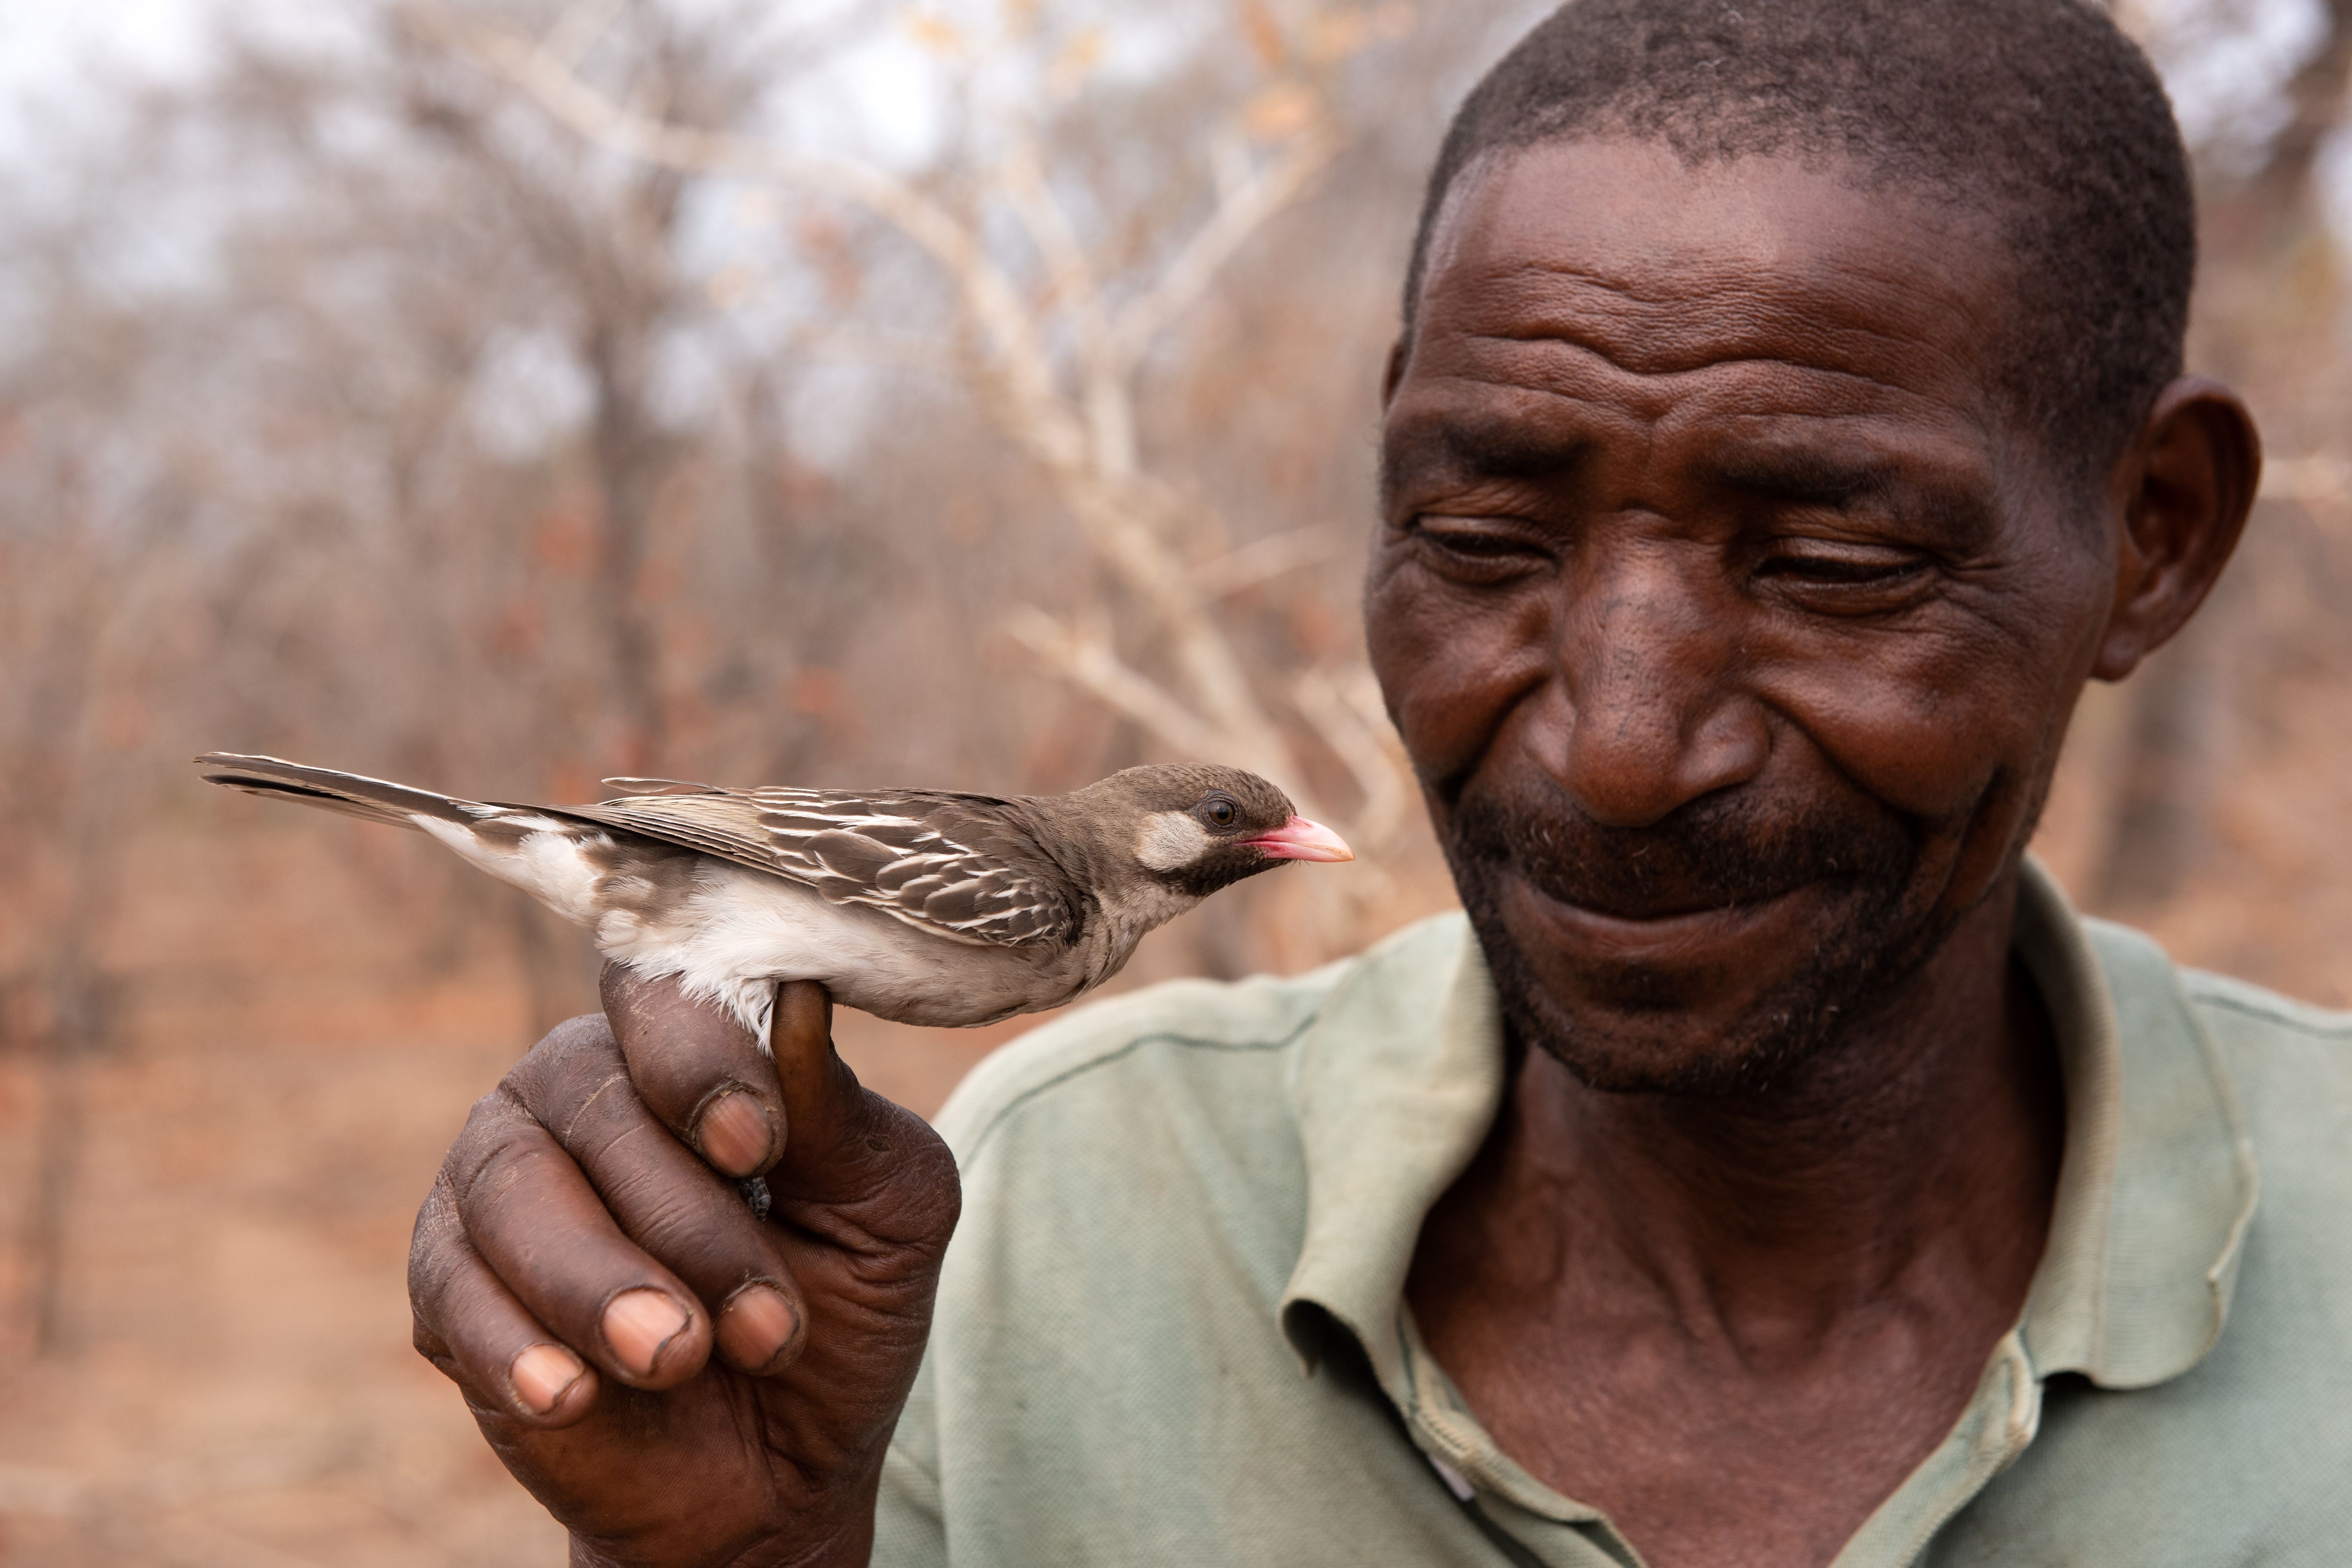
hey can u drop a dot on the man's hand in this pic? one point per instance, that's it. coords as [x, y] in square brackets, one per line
[586, 1248]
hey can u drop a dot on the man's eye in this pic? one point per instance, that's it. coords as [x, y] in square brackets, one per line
[1852, 566]
[1480, 547]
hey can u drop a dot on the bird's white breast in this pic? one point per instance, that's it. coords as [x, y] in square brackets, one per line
[739, 932]
[730, 934]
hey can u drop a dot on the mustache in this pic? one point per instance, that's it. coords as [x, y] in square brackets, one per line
[1717, 852]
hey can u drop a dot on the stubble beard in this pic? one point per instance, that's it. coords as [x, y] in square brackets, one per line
[1640, 1038]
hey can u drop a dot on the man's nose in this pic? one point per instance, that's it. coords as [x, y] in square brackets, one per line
[1655, 714]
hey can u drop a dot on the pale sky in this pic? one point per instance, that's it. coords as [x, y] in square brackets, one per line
[46, 46]
[2224, 77]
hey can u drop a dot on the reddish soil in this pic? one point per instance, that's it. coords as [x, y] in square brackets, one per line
[233, 1384]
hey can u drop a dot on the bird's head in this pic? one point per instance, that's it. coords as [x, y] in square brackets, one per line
[1196, 828]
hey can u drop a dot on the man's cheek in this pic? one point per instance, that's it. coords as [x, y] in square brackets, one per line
[1926, 725]
[1453, 663]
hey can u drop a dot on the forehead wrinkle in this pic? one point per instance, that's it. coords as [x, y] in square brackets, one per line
[1576, 211]
[1830, 306]
[1679, 357]
[1662, 390]
[1651, 354]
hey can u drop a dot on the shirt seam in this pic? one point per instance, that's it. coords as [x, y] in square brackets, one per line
[2205, 997]
[1157, 1037]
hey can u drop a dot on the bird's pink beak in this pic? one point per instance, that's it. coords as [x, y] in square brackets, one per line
[1299, 840]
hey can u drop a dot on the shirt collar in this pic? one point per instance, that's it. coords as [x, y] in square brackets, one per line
[1397, 1081]
[1400, 1075]
[2158, 1182]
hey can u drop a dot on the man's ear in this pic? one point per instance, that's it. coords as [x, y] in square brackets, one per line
[2188, 481]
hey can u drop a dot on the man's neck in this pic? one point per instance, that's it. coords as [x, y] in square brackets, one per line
[1735, 1325]
[1926, 1137]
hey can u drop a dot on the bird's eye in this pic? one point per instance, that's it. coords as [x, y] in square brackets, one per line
[1220, 812]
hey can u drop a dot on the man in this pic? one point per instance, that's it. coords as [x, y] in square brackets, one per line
[1771, 1169]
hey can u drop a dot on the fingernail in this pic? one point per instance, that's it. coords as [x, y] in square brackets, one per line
[755, 1326]
[542, 1376]
[639, 1324]
[734, 1133]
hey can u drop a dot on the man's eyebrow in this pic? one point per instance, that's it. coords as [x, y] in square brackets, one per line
[1840, 480]
[1819, 477]
[1482, 448]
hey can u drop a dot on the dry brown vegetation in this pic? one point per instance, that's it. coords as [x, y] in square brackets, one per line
[503, 395]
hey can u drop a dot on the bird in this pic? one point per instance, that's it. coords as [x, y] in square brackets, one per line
[928, 907]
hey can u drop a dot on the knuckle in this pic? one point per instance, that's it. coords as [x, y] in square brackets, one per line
[919, 1204]
[560, 1053]
[491, 1117]
[436, 1221]
[430, 1344]
[434, 1256]
[623, 1153]
[588, 1034]
[442, 1362]
[920, 1158]
[498, 1167]
[607, 1103]
[686, 1225]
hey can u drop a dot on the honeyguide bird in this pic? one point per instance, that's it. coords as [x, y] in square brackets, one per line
[919, 906]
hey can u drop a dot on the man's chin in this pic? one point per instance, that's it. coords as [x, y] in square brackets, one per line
[1706, 1003]
[1622, 1051]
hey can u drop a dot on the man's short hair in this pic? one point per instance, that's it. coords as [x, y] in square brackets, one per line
[2039, 112]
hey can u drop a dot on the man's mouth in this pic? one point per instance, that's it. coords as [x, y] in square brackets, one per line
[1655, 909]
[1635, 898]
[1662, 931]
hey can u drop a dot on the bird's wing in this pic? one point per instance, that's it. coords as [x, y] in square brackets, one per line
[956, 865]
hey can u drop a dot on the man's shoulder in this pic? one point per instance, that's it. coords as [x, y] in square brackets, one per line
[2253, 1029]
[2247, 1015]
[1186, 1040]
[2289, 1065]
[2247, 1446]
[1130, 1049]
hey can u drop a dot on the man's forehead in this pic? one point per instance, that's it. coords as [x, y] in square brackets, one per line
[1657, 267]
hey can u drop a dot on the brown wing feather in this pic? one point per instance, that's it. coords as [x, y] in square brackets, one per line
[956, 865]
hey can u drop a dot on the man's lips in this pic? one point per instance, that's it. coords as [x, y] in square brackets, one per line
[1685, 933]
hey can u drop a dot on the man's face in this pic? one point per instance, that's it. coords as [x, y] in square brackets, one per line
[1731, 624]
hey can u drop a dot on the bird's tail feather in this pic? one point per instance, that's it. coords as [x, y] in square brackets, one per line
[371, 800]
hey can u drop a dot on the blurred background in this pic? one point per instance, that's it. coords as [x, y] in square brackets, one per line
[977, 393]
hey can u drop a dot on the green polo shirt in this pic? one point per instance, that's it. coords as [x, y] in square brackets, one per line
[1171, 1327]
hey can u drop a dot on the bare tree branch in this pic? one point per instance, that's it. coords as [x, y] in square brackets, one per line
[1376, 766]
[1244, 212]
[1081, 428]
[576, 31]
[1084, 655]
[987, 292]
[1267, 558]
